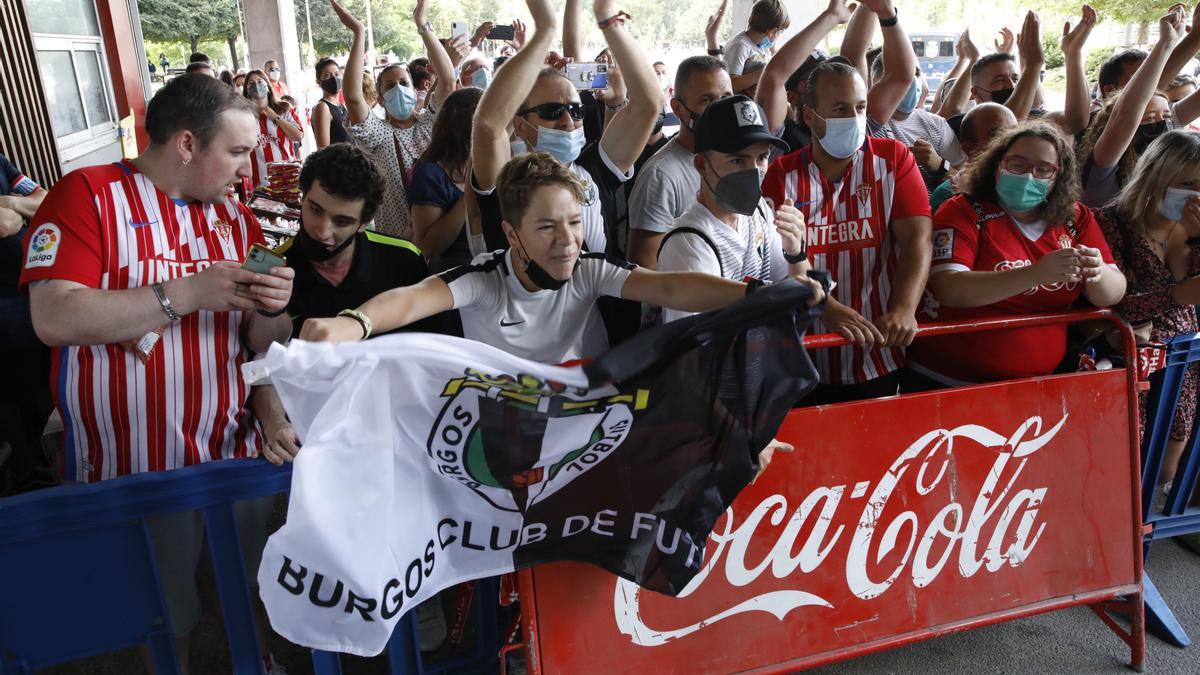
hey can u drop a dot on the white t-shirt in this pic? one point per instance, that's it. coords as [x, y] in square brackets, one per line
[924, 125]
[665, 187]
[740, 50]
[544, 326]
[754, 249]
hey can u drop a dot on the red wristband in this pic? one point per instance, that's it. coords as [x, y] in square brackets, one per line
[611, 21]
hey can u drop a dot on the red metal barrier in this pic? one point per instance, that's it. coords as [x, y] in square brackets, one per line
[895, 520]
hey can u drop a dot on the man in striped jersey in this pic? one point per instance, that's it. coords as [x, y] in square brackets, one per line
[134, 275]
[868, 224]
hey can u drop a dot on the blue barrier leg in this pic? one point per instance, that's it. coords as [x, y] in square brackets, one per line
[162, 651]
[230, 574]
[326, 663]
[1159, 618]
[404, 656]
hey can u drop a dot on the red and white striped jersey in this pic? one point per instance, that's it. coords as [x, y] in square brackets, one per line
[273, 146]
[849, 234]
[108, 227]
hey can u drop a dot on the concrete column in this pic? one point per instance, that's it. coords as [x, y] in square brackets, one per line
[271, 34]
[801, 12]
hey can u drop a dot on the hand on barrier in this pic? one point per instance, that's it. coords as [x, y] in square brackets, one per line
[282, 443]
[898, 328]
[768, 453]
[850, 324]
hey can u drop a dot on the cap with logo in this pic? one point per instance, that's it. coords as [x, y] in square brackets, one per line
[732, 123]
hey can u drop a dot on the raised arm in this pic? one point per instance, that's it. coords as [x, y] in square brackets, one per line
[956, 99]
[627, 133]
[572, 22]
[771, 91]
[899, 65]
[857, 39]
[502, 99]
[1076, 113]
[1185, 50]
[356, 107]
[438, 58]
[713, 28]
[1131, 102]
[1029, 48]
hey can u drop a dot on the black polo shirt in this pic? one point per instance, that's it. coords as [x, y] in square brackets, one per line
[380, 264]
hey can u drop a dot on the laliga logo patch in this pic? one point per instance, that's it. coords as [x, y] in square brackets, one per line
[943, 244]
[43, 246]
[747, 114]
[515, 441]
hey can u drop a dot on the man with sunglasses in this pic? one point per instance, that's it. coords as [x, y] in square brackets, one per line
[667, 184]
[545, 112]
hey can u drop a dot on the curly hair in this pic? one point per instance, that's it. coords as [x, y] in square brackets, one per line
[524, 174]
[1129, 159]
[347, 171]
[978, 180]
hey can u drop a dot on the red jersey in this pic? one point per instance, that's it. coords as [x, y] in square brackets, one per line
[849, 234]
[108, 227]
[273, 146]
[960, 243]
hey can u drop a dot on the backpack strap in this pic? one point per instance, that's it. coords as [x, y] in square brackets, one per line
[691, 230]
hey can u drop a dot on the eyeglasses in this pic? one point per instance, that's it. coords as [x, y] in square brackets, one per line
[1040, 170]
[553, 111]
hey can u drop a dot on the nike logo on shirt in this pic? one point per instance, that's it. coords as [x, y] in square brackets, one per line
[506, 325]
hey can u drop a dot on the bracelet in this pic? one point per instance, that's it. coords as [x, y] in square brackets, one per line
[888, 23]
[164, 302]
[424, 28]
[753, 285]
[619, 106]
[716, 52]
[271, 315]
[361, 318]
[611, 21]
[793, 259]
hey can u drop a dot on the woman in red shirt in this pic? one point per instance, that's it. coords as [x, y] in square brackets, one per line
[1016, 241]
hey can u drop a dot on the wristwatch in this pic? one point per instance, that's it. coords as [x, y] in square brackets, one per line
[165, 302]
[888, 23]
[424, 28]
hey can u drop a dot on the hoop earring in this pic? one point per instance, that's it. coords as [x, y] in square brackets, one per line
[187, 161]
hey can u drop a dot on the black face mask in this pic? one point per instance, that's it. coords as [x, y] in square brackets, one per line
[1001, 95]
[331, 85]
[538, 275]
[1147, 133]
[662, 116]
[315, 250]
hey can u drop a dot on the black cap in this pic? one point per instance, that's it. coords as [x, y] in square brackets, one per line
[732, 123]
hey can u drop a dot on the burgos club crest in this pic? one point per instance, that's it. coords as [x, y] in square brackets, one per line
[517, 440]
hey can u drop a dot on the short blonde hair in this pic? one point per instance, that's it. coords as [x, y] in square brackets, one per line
[524, 174]
[768, 15]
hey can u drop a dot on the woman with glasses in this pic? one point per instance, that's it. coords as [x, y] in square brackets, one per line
[1014, 241]
[397, 140]
[1153, 227]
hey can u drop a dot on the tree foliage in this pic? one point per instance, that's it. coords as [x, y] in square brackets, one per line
[192, 20]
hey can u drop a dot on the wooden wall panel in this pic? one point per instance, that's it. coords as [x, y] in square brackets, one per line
[26, 134]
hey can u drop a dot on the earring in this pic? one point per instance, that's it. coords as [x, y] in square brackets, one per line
[187, 161]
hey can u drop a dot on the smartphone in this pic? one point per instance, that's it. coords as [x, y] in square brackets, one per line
[501, 33]
[261, 259]
[458, 28]
[588, 75]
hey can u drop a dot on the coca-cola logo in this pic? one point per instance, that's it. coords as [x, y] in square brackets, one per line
[1009, 514]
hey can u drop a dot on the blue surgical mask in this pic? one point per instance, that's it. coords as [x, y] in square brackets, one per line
[843, 135]
[518, 147]
[1021, 192]
[766, 42]
[1174, 202]
[400, 101]
[481, 78]
[909, 102]
[565, 146]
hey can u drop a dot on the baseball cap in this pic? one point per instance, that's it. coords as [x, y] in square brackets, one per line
[732, 123]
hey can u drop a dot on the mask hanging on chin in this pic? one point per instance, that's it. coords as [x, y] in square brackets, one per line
[538, 274]
[318, 252]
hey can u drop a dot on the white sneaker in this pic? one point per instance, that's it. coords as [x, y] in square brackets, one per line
[431, 624]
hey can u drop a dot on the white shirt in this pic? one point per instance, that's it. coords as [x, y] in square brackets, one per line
[739, 51]
[753, 249]
[545, 326]
[665, 187]
[923, 125]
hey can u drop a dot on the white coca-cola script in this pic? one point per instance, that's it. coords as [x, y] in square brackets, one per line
[1010, 514]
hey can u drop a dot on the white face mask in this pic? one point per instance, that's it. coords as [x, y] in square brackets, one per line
[843, 135]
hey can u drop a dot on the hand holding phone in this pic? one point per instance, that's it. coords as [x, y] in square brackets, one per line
[458, 28]
[261, 259]
[587, 76]
[501, 33]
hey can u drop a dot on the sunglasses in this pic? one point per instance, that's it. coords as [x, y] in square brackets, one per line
[553, 111]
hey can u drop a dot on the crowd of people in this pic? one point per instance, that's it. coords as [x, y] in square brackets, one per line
[500, 200]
